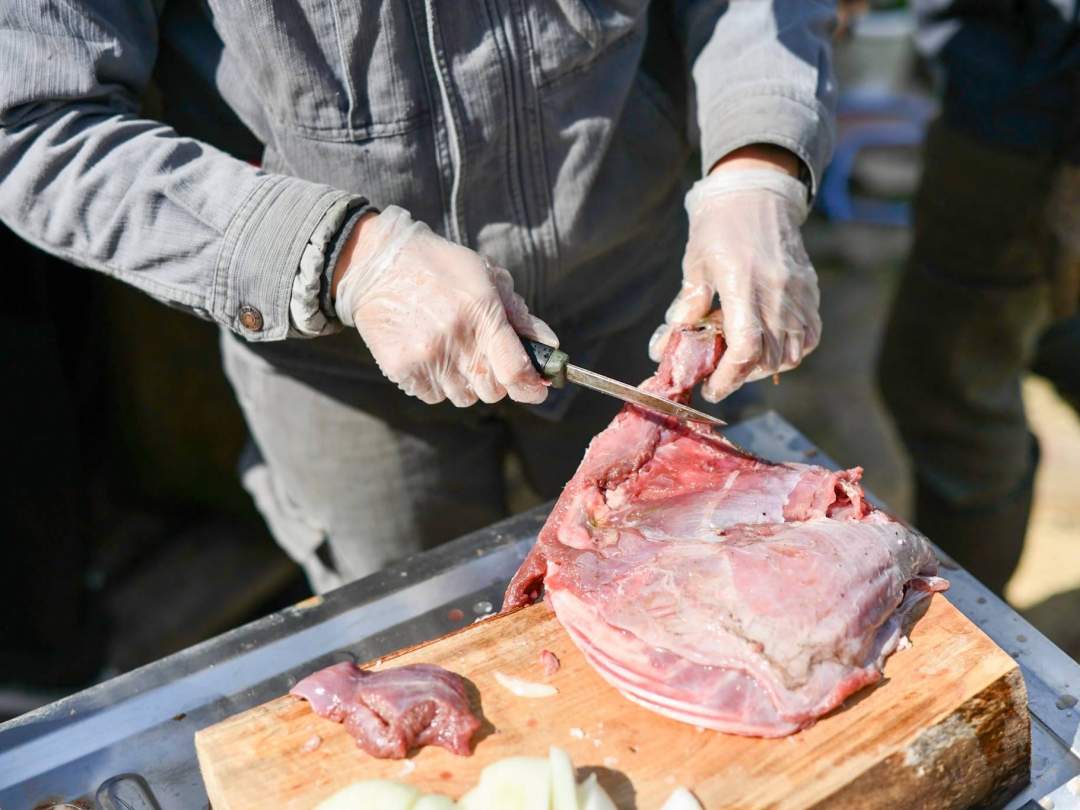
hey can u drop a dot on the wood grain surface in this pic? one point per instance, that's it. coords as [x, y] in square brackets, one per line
[947, 727]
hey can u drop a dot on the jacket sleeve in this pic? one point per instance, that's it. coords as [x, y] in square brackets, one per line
[84, 177]
[761, 73]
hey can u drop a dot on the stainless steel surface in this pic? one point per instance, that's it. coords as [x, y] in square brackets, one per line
[126, 792]
[628, 393]
[141, 725]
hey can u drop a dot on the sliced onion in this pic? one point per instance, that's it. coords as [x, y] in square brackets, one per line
[525, 689]
[681, 799]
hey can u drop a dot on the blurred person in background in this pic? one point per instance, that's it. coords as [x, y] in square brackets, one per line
[992, 283]
[428, 180]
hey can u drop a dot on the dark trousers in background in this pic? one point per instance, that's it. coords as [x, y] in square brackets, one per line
[989, 292]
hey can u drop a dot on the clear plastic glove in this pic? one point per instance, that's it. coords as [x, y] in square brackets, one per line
[745, 248]
[441, 320]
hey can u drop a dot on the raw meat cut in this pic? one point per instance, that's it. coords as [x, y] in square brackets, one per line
[715, 587]
[550, 662]
[394, 710]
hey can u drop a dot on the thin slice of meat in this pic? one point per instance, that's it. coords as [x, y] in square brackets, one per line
[715, 587]
[392, 711]
[550, 662]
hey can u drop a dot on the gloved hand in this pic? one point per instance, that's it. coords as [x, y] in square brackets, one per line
[745, 248]
[441, 320]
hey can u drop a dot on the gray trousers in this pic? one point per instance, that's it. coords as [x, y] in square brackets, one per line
[350, 473]
[989, 292]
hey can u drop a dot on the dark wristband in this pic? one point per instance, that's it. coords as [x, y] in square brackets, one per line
[326, 301]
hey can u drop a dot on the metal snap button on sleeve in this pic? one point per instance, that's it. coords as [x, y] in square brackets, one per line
[250, 318]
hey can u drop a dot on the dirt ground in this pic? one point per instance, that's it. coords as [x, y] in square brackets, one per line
[1046, 587]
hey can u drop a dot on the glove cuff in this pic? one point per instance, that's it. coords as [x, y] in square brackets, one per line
[391, 230]
[732, 181]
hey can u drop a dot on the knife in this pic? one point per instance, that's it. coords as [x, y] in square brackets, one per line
[555, 366]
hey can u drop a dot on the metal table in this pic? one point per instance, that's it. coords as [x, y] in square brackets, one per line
[140, 726]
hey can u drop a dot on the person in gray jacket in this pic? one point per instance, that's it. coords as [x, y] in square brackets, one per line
[433, 177]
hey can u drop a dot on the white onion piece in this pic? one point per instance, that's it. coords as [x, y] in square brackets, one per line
[372, 793]
[681, 799]
[433, 802]
[514, 783]
[525, 689]
[593, 797]
[563, 784]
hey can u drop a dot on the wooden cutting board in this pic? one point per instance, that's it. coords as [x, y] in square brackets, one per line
[947, 727]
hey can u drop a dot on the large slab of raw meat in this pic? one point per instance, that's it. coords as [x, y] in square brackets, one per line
[715, 587]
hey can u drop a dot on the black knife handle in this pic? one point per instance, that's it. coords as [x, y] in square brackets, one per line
[550, 363]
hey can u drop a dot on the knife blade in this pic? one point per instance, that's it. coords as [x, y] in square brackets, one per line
[555, 366]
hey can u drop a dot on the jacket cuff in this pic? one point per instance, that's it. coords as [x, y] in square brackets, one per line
[308, 317]
[262, 251]
[774, 115]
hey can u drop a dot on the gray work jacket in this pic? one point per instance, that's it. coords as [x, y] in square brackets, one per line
[551, 135]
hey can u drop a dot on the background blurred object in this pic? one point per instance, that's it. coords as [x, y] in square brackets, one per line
[53, 631]
[875, 48]
[128, 534]
[882, 115]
